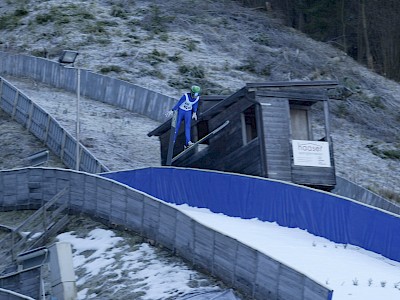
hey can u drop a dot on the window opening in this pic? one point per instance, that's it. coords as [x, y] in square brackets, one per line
[300, 124]
[249, 125]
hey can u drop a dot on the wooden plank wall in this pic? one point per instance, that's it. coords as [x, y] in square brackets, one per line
[243, 160]
[314, 176]
[226, 151]
[26, 282]
[276, 126]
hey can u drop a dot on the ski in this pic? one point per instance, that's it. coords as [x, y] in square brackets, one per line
[215, 131]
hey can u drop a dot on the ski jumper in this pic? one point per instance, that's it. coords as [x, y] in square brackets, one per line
[185, 106]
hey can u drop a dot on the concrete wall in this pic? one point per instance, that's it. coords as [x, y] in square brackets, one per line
[255, 274]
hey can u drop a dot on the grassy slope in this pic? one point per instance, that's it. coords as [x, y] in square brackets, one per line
[167, 45]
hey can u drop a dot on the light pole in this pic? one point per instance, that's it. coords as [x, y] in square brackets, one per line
[68, 57]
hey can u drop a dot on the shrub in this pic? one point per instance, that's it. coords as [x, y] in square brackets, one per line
[341, 110]
[64, 14]
[164, 37]
[385, 153]
[248, 66]
[44, 18]
[39, 53]
[376, 102]
[265, 71]
[155, 21]
[191, 45]
[153, 73]
[156, 57]
[112, 68]
[103, 41]
[12, 20]
[176, 57]
[388, 194]
[107, 23]
[62, 20]
[20, 12]
[96, 28]
[192, 72]
[118, 11]
[391, 154]
[208, 88]
[261, 39]
[122, 54]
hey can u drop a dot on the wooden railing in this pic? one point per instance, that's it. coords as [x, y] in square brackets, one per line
[36, 229]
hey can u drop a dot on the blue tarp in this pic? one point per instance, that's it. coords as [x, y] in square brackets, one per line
[337, 219]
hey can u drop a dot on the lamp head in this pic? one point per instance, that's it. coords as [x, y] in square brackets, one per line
[68, 57]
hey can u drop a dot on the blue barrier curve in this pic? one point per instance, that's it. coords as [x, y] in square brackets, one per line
[338, 219]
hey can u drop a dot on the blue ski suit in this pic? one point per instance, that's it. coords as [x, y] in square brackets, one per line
[185, 106]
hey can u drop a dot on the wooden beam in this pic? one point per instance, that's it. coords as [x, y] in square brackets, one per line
[293, 95]
[214, 97]
[327, 122]
[323, 83]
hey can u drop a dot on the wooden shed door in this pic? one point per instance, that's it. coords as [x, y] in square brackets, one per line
[300, 125]
[275, 115]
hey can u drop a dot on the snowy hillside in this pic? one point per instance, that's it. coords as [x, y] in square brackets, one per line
[168, 45]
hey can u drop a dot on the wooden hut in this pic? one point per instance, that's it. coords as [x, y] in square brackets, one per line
[264, 129]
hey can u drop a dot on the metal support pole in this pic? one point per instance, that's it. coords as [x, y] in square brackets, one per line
[78, 91]
[68, 57]
[171, 144]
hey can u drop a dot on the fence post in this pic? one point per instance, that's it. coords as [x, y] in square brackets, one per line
[15, 104]
[63, 145]
[46, 135]
[13, 250]
[29, 123]
[1, 89]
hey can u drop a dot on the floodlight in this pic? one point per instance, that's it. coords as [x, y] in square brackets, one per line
[68, 57]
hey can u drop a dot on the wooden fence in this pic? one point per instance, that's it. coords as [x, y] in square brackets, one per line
[115, 92]
[254, 274]
[46, 129]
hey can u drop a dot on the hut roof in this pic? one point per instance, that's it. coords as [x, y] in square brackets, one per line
[311, 91]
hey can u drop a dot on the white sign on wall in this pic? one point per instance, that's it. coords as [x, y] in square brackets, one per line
[311, 153]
